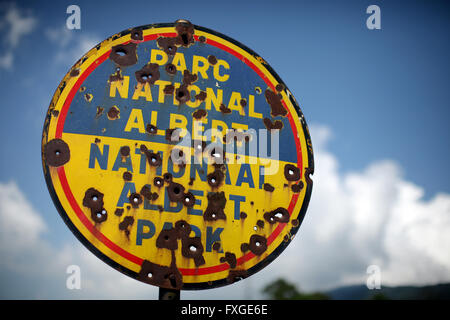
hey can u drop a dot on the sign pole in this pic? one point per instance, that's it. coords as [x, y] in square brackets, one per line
[169, 294]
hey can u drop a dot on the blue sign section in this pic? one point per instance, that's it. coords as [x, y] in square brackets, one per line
[242, 83]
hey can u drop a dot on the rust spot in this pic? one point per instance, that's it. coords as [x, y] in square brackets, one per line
[224, 109]
[278, 215]
[201, 96]
[212, 60]
[236, 135]
[245, 247]
[193, 248]
[162, 276]
[135, 200]
[279, 87]
[295, 223]
[151, 129]
[99, 216]
[274, 100]
[137, 34]
[56, 153]
[236, 275]
[257, 244]
[297, 187]
[125, 224]
[124, 54]
[116, 76]
[113, 113]
[185, 31]
[127, 176]
[188, 199]
[88, 97]
[175, 191]
[99, 112]
[260, 224]
[75, 72]
[171, 69]
[183, 228]
[158, 182]
[268, 187]
[125, 151]
[291, 172]
[168, 239]
[55, 113]
[276, 125]
[229, 258]
[82, 88]
[216, 204]
[97, 140]
[200, 113]
[216, 246]
[146, 192]
[202, 39]
[93, 199]
[148, 74]
[191, 181]
[243, 215]
[167, 44]
[173, 135]
[119, 212]
[167, 177]
[215, 178]
[169, 89]
[243, 103]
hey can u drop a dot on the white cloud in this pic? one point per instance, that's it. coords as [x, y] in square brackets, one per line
[71, 44]
[354, 220]
[17, 24]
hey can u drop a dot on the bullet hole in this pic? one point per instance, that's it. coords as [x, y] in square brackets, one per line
[56, 153]
[202, 39]
[171, 69]
[278, 215]
[216, 205]
[291, 172]
[135, 200]
[154, 159]
[236, 275]
[99, 216]
[137, 34]
[260, 224]
[158, 182]
[124, 54]
[257, 244]
[308, 173]
[168, 45]
[243, 215]
[185, 31]
[151, 129]
[148, 74]
[189, 200]
[258, 90]
[175, 192]
[168, 239]
[215, 178]
[162, 276]
[295, 222]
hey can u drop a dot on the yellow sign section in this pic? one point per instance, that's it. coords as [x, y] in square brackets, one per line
[178, 157]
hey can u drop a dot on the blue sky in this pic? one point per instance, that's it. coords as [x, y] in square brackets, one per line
[375, 96]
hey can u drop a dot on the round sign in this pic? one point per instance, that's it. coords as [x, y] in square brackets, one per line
[178, 156]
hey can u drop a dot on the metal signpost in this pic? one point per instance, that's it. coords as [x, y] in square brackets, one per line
[178, 156]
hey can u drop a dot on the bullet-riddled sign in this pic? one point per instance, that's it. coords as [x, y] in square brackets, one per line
[178, 156]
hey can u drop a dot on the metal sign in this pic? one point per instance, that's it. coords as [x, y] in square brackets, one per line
[178, 156]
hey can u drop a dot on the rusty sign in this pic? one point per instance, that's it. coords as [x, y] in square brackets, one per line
[178, 156]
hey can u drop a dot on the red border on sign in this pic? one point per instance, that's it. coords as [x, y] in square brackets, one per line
[100, 236]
